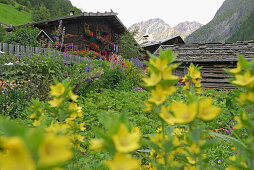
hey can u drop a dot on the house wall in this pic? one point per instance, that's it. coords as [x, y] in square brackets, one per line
[214, 58]
[75, 32]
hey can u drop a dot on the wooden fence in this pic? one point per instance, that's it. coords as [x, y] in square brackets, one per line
[21, 51]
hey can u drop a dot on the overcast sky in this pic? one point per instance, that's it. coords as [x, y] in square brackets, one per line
[171, 11]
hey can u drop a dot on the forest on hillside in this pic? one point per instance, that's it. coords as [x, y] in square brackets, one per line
[245, 32]
[43, 9]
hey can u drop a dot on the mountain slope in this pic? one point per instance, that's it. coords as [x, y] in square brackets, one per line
[157, 29]
[245, 32]
[10, 15]
[18, 12]
[225, 23]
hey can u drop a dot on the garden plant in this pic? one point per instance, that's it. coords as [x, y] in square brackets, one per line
[115, 115]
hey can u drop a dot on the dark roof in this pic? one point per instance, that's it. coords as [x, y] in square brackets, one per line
[152, 46]
[162, 41]
[211, 52]
[111, 16]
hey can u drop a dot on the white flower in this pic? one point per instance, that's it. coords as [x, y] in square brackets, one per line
[8, 64]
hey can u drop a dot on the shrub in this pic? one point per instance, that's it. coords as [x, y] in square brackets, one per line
[39, 69]
[23, 36]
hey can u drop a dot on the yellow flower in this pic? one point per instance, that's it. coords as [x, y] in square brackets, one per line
[189, 167]
[232, 158]
[54, 150]
[123, 162]
[157, 139]
[251, 96]
[77, 137]
[194, 73]
[32, 116]
[244, 116]
[244, 80]
[242, 98]
[185, 78]
[165, 115]
[239, 123]
[194, 149]
[169, 90]
[237, 69]
[72, 96]
[167, 74]
[207, 111]
[159, 63]
[55, 102]
[56, 128]
[149, 107]
[230, 167]
[17, 155]
[178, 131]
[96, 144]
[37, 123]
[184, 113]
[153, 79]
[57, 90]
[159, 95]
[125, 141]
[198, 83]
[82, 126]
[187, 86]
[77, 110]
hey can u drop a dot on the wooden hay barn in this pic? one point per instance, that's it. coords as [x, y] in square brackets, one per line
[213, 57]
[88, 31]
[152, 46]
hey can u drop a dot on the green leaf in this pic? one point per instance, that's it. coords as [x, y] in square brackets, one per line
[11, 129]
[243, 62]
[167, 54]
[226, 137]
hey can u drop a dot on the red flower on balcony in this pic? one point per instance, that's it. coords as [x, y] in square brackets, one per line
[94, 46]
[89, 33]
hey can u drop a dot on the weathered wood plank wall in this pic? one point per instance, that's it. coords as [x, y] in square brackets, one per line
[213, 57]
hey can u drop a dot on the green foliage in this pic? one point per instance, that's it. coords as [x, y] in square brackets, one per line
[14, 96]
[128, 45]
[56, 8]
[23, 36]
[2, 33]
[9, 2]
[41, 14]
[112, 77]
[40, 70]
[245, 32]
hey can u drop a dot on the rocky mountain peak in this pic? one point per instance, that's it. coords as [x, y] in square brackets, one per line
[157, 29]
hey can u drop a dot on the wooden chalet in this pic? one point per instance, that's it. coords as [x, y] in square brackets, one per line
[89, 31]
[213, 57]
[152, 46]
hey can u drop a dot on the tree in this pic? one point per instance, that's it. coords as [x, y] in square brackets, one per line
[128, 46]
[41, 14]
[23, 36]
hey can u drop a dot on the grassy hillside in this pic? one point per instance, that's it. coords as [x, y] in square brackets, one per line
[10, 15]
[245, 32]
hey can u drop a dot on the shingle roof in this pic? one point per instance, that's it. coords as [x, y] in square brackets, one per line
[112, 16]
[158, 42]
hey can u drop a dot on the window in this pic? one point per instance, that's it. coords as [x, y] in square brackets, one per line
[68, 47]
